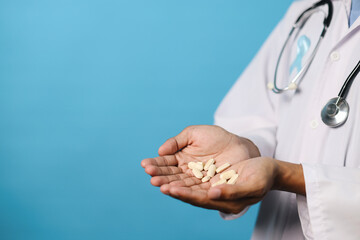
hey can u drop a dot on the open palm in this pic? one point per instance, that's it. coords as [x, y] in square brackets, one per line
[170, 172]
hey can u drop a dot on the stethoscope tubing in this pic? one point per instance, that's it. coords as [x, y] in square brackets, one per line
[348, 82]
[299, 23]
[336, 110]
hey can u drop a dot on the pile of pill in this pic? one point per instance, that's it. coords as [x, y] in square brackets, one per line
[228, 177]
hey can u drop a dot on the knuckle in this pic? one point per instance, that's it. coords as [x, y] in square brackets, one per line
[259, 185]
[261, 191]
[188, 128]
[229, 194]
[236, 210]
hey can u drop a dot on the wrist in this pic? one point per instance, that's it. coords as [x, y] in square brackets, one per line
[289, 177]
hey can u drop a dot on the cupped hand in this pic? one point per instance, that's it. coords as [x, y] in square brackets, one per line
[196, 143]
[256, 178]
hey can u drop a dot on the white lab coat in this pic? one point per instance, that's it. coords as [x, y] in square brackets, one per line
[289, 128]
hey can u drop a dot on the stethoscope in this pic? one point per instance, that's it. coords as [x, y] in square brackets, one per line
[336, 110]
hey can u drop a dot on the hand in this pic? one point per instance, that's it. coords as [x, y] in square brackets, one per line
[196, 143]
[256, 178]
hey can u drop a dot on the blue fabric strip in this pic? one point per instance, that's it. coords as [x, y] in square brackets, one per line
[303, 46]
[355, 11]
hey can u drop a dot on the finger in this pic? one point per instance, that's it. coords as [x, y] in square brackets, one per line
[165, 189]
[186, 194]
[231, 192]
[202, 186]
[199, 198]
[169, 160]
[186, 182]
[237, 206]
[175, 144]
[161, 180]
[195, 185]
[161, 171]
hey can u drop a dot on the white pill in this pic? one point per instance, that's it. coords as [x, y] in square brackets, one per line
[233, 179]
[195, 165]
[200, 166]
[227, 175]
[206, 179]
[222, 167]
[191, 165]
[208, 163]
[211, 171]
[221, 181]
[197, 173]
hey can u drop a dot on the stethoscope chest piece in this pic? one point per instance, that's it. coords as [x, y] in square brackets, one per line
[335, 112]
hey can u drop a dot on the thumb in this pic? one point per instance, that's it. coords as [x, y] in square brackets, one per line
[175, 144]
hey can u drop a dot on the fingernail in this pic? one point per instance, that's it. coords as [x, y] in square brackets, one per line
[214, 193]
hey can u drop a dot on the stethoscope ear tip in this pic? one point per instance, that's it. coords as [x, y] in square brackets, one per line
[270, 86]
[292, 86]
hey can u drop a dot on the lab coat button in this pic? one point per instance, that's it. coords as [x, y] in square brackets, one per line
[335, 56]
[314, 124]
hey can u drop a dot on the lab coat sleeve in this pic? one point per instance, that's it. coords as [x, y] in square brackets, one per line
[331, 208]
[249, 109]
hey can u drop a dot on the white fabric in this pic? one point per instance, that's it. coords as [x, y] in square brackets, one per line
[289, 128]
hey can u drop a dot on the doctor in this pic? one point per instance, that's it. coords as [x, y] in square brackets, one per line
[294, 150]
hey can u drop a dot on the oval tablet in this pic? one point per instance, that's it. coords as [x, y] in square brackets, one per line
[197, 173]
[195, 165]
[191, 165]
[233, 179]
[200, 166]
[208, 163]
[206, 179]
[221, 181]
[222, 167]
[227, 175]
[211, 171]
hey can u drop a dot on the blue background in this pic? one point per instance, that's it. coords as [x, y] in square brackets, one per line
[90, 88]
